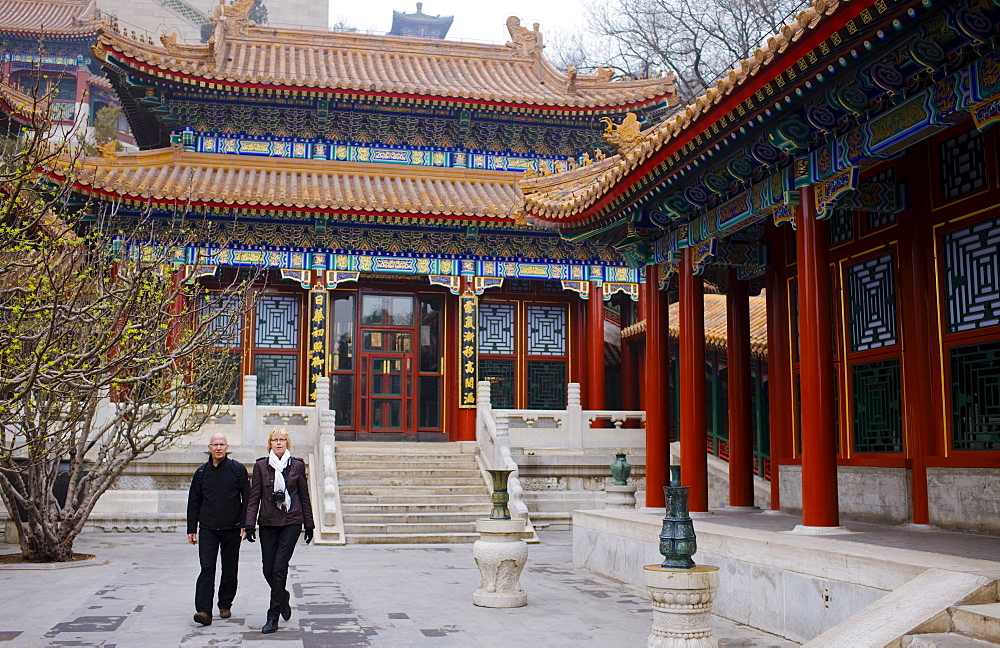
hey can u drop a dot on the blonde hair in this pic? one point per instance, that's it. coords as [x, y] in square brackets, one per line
[276, 432]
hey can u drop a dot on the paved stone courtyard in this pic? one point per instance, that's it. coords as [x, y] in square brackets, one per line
[358, 595]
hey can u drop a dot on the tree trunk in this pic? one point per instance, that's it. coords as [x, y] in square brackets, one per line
[39, 546]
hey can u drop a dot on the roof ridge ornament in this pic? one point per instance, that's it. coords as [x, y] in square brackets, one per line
[524, 42]
[625, 135]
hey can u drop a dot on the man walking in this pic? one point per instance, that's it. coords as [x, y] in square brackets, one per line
[217, 503]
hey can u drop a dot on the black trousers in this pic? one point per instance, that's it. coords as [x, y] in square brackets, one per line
[210, 545]
[276, 547]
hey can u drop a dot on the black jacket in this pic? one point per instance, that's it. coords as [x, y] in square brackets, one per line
[218, 496]
[262, 510]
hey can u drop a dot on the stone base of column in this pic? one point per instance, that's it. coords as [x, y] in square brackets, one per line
[682, 606]
[620, 497]
[802, 529]
[500, 554]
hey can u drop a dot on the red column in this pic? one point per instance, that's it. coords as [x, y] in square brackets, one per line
[579, 349]
[779, 360]
[657, 428]
[916, 292]
[630, 386]
[694, 459]
[466, 416]
[819, 433]
[595, 349]
[740, 392]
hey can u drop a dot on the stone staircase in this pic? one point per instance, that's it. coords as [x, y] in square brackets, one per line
[968, 626]
[410, 493]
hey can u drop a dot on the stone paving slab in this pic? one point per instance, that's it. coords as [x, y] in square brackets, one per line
[355, 595]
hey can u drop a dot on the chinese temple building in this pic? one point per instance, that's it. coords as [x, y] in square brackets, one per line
[376, 176]
[46, 55]
[850, 167]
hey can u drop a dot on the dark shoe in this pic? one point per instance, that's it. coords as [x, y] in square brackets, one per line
[270, 627]
[286, 608]
[225, 614]
[204, 618]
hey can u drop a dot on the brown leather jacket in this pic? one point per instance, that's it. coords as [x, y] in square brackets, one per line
[261, 487]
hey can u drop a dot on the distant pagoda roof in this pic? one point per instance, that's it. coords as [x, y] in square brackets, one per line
[420, 24]
[51, 18]
[359, 191]
[243, 57]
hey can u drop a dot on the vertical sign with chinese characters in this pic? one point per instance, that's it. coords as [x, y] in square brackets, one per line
[317, 339]
[467, 350]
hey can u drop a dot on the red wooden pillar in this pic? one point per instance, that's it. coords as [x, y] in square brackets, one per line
[916, 295]
[656, 365]
[779, 359]
[694, 459]
[630, 386]
[579, 349]
[819, 433]
[642, 349]
[740, 392]
[595, 349]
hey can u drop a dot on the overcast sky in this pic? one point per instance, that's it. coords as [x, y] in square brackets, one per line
[484, 20]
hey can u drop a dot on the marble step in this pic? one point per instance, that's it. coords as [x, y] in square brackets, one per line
[404, 481]
[412, 538]
[408, 517]
[379, 449]
[397, 497]
[433, 463]
[413, 492]
[981, 621]
[944, 640]
[406, 528]
[472, 506]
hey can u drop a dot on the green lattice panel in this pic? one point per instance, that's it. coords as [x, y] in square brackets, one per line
[871, 296]
[877, 413]
[496, 329]
[972, 276]
[963, 164]
[500, 373]
[229, 369]
[841, 226]
[546, 384]
[975, 397]
[877, 219]
[546, 330]
[226, 322]
[277, 322]
[276, 383]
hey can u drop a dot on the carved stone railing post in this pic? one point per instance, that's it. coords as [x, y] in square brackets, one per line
[574, 416]
[249, 410]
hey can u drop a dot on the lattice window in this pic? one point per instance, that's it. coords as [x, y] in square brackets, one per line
[277, 322]
[972, 277]
[520, 285]
[229, 367]
[227, 321]
[500, 373]
[877, 219]
[975, 397]
[546, 330]
[963, 164]
[871, 294]
[877, 413]
[496, 329]
[841, 226]
[276, 379]
[546, 384]
[793, 308]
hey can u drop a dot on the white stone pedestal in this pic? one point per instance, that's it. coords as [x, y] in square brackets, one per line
[682, 606]
[500, 554]
[620, 497]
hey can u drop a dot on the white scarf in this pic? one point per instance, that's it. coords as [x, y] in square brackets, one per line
[279, 465]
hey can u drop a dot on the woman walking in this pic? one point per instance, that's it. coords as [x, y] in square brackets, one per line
[279, 503]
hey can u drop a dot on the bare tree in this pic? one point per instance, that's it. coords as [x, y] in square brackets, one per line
[695, 40]
[107, 355]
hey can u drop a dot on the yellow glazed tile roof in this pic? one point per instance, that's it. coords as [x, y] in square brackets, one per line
[716, 323]
[241, 53]
[20, 106]
[53, 17]
[356, 189]
[555, 199]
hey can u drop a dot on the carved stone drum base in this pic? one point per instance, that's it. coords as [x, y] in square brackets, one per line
[620, 497]
[682, 606]
[500, 554]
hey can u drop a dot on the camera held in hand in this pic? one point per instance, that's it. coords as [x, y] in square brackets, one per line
[278, 499]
